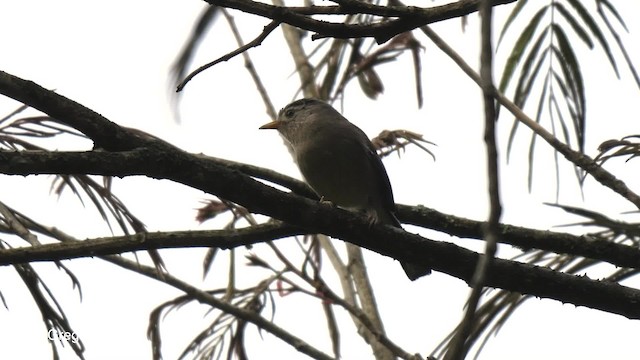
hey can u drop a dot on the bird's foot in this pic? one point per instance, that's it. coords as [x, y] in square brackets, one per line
[372, 217]
[326, 202]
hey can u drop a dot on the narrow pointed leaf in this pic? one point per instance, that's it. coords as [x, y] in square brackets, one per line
[572, 62]
[519, 47]
[621, 46]
[532, 144]
[595, 30]
[563, 125]
[571, 94]
[613, 10]
[556, 161]
[522, 94]
[514, 14]
[577, 28]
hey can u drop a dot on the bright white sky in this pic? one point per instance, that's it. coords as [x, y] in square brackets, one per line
[114, 57]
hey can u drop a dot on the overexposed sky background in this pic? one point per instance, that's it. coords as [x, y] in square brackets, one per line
[114, 58]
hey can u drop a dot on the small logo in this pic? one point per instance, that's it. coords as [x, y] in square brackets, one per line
[54, 334]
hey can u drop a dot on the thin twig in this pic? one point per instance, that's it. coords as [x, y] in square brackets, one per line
[256, 42]
[209, 299]
[349, 303]
[248, 64]
[223, 239]
[16, 226]
[364, 290]
[304, 69]
[459, 348]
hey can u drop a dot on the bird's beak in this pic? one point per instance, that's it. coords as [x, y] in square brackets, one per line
[271, 125]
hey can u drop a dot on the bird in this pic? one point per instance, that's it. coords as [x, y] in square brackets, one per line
[339, 162]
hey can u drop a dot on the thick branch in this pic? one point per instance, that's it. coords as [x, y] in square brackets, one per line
[524, 238]
[164, 162]
[562, 243]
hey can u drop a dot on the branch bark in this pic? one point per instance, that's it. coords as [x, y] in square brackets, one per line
[409, 18]
[524, 238]
[316, 217]
[160, 160]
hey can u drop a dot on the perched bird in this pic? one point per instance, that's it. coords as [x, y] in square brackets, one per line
[339, 162]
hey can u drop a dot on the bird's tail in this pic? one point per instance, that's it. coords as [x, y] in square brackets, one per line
[413, 270]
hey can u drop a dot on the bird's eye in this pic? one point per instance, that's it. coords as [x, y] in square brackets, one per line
[288, 113]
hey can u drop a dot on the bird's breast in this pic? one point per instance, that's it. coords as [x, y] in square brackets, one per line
[339, 173]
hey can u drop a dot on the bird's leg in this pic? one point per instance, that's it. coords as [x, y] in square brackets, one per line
[371, 216]
[328, 202]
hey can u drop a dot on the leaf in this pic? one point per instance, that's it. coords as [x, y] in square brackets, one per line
[574, 24]
[179, 67]
[523, 90]
[541, 103]
[370, 83]
[527, 77]
[417, 69]
[565, 129]
[556, 162]
[532, 145]
[208, 260]
[616, 37]
[595, 30]
[577, 83]
[613, 10]
[571, 94]
[514, 13]
[518, 48]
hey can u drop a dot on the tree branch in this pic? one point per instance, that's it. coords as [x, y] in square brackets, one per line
[562, 243]
[162, 161]
[223, 239]
[409, 18]
[206, 298]
[322, 218]
[255, 42]
[459, 344]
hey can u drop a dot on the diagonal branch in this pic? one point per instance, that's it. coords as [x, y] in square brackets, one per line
[255, 42]
[579, 159]
[222, 305]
